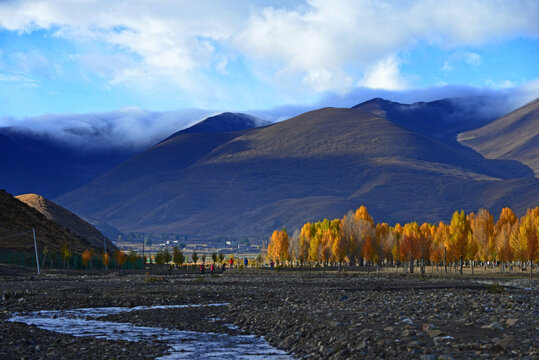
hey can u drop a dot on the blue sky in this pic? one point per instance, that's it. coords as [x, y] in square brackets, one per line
[59, 57]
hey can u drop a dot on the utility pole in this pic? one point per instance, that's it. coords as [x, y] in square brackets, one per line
[35, 247]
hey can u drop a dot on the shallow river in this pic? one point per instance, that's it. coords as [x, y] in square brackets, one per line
[183, 344]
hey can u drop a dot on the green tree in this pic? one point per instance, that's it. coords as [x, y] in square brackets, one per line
[160, 258]
[65, 253]
[177, 256]
[167, 256]
[133, 257]
[194, 257]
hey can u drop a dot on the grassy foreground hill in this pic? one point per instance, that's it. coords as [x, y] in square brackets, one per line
[17, 220]
[319, 164]
[65, 218]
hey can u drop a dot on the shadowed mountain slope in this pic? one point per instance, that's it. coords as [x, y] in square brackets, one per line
[224, 122]
[442, 119]
[67, 219]
[35, 162]
[319, 164]
[513, 136]
[17, 220]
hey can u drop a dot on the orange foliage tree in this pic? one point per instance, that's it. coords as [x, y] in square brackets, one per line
[469, 237]
[410, 243]
[87, 257]
[120, 258]
[278, 246]
[426, 238]
[106, 260]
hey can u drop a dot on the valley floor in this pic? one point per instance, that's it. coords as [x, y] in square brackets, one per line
[313, 314]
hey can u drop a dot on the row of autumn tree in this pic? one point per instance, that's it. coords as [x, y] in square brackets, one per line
[356, 239]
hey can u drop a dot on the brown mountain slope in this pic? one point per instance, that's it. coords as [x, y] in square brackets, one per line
[17, 220]
[319, 164]
[513, 136]
[67, 219]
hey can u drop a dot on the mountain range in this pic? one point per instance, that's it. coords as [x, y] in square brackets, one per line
[402, 161]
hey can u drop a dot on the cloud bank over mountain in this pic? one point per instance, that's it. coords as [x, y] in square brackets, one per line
[131, 128]
[135, 128]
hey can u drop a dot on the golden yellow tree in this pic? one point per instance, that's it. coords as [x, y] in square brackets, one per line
[315, 245]
[339, 248]
[327, 246]
[482, 226]
[278, 246]
[307, 233]
[528, 237]
[426, 238]
[362, 214]
[442, 238]
[397, 231]
[505, 226]
[459, 239]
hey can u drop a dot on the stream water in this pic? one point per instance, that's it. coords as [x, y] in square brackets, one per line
[183, 344]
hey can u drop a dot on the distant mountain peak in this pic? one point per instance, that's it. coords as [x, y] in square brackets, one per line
[225, 122]
[374, 101]
[222, 123]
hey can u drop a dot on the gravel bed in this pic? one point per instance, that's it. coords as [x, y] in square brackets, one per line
[312, 315]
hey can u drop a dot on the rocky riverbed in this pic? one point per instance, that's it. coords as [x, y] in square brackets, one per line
[311, 315]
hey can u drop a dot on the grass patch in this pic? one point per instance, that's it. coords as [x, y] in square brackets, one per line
[496, 289]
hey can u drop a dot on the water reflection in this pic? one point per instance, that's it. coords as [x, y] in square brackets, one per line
[183, 344]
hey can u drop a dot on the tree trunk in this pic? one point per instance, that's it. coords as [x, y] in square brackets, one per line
[461, 264]
[445, 260]
[411, 266]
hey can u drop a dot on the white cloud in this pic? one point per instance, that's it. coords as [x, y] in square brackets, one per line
[384, 75]
[21, 79]
[503, 84]
[308, 46]
[472, 58]
[447, 67]
[128, 128]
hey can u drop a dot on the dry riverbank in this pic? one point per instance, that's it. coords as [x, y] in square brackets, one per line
[314, 314]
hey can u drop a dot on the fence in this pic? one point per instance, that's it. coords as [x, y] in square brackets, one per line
[55, 261]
